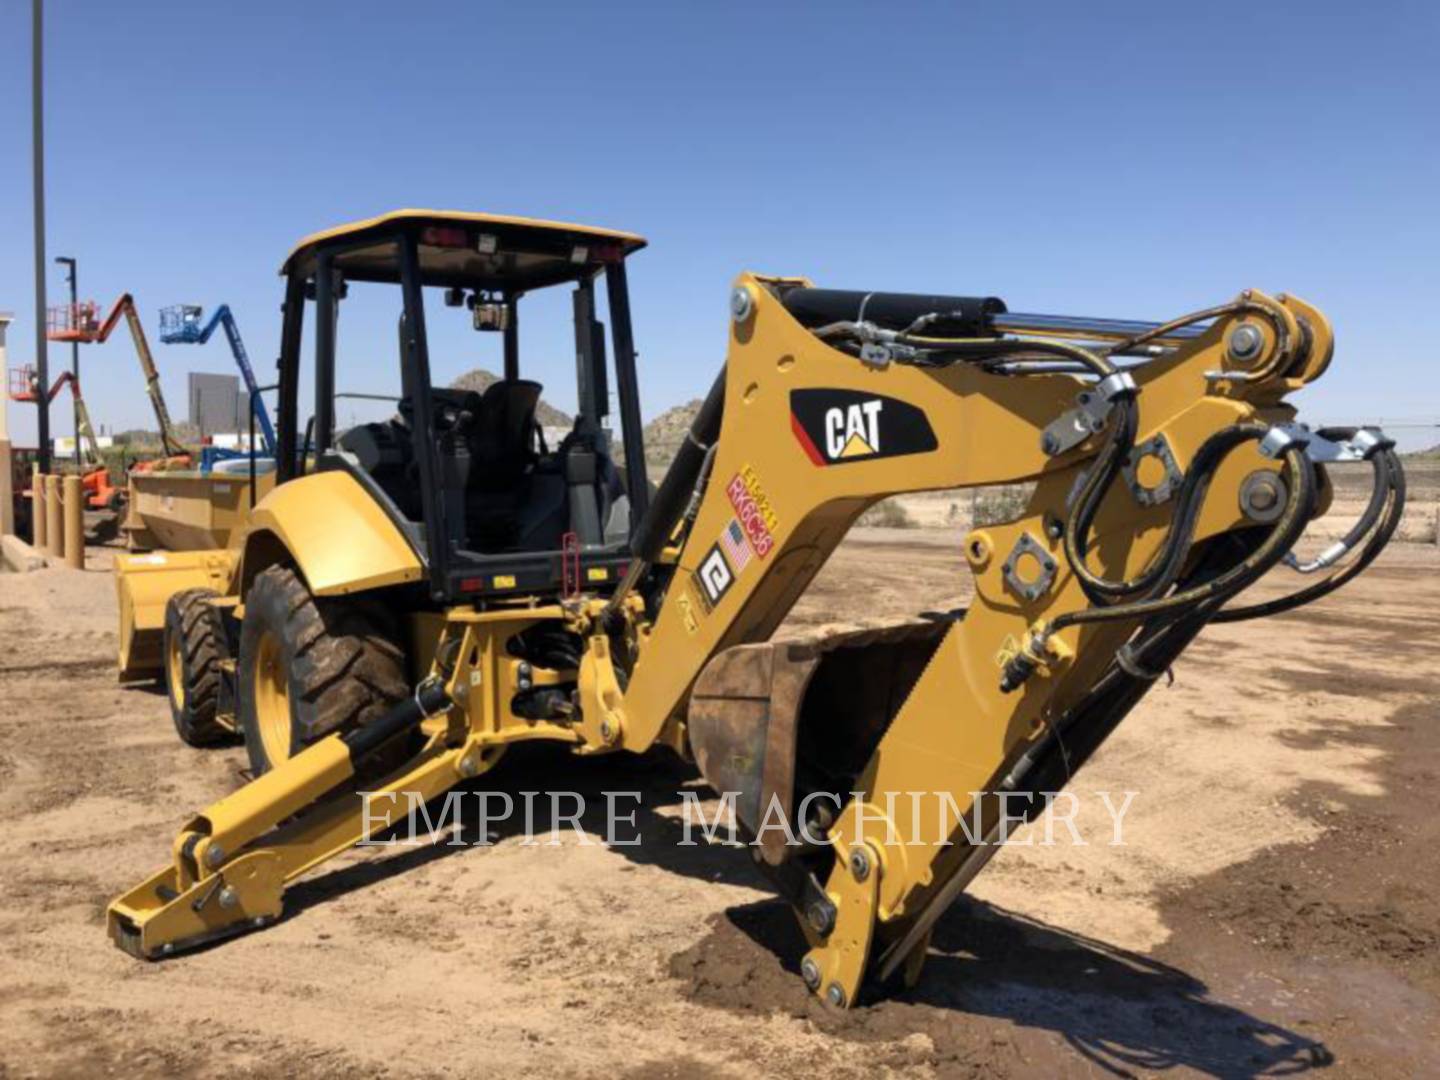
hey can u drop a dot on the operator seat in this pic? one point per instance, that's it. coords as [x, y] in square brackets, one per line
[502, 435]
[501, 441]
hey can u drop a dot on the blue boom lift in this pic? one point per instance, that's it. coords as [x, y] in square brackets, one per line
[181, 324]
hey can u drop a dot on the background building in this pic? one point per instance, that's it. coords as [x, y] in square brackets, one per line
[215, 402]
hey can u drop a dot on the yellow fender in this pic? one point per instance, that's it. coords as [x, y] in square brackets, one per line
[334, 531]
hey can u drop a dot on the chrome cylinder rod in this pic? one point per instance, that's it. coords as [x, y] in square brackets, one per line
[1067, 326]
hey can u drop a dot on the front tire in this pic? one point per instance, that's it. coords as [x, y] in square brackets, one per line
[194, 647]
[310, 666]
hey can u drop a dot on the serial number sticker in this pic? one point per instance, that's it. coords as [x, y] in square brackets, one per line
[753, 510]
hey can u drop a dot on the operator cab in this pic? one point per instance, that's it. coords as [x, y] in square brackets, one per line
[490, 504]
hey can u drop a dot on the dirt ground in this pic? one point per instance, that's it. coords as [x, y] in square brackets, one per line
[1274, 908]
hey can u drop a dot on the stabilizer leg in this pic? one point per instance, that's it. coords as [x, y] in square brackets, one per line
[233, 862]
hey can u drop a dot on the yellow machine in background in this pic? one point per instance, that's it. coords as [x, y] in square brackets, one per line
[415, 596]
[180, 526]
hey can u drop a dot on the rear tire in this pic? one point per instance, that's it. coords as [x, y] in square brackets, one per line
[311, 666]
[194, 647]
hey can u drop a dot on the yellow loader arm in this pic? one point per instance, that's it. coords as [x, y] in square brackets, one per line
[1169, 475]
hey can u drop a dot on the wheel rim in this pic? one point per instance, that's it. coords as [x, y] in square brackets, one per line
[175, 669]
[271, 696]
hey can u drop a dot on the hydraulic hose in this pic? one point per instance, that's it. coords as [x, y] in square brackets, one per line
[1279, 359]
[1379, 493]
[992, 349]
[1194, 599]
[1388, 522]
[1167, 564]
[1288, 527]
[1098, 482]
[1282, 537]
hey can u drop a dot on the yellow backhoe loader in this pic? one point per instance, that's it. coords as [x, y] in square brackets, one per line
[414, 596]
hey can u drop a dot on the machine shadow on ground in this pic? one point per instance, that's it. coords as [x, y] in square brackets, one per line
[659, 778]
[1123, 1011]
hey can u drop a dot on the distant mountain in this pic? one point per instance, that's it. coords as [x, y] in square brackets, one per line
[478, 379]
[666, 432]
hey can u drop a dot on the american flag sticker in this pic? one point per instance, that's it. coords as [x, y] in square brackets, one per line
[736, 546]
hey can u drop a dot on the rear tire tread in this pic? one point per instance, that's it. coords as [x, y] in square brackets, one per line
[345, 668]
[202, 637]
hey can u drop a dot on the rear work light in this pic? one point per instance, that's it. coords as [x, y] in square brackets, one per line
[444, 236]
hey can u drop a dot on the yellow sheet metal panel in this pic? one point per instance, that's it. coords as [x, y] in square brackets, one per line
[144, 585]
[188, 511]
[341, 540]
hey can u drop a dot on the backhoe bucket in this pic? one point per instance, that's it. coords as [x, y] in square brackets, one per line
[144, 584]
[760, 714]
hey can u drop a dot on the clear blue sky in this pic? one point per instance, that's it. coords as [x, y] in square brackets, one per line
[1130, 160]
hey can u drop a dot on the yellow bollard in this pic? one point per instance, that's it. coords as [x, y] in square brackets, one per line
[74, 507]
[37, 509]
[54, 527]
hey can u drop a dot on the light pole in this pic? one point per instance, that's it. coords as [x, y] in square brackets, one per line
[37, 129]
[71, 275]
[7, 488]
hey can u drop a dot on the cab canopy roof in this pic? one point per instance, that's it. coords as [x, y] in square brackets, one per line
[457, 248]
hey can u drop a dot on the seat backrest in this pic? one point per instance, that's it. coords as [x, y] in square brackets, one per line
[502, 436]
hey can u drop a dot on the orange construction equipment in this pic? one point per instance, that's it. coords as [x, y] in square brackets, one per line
[100, 493]
[81, 322]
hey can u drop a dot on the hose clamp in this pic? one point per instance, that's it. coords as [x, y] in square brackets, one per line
[1128, 662]
[1115, 384]
[1369, 441]
[1092, 408]
[1281, 437]
[432, 688]
[1362, 446]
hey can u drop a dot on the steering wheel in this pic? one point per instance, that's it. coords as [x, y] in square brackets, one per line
[456, 416]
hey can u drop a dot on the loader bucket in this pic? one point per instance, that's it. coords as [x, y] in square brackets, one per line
[760, 714]
[144, 584]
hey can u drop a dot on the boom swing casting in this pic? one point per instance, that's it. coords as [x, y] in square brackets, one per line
[494, 589]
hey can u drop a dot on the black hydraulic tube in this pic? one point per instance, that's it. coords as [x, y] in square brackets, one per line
[649, 537]
[674, 492]
[429, 698]
[959, 316]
